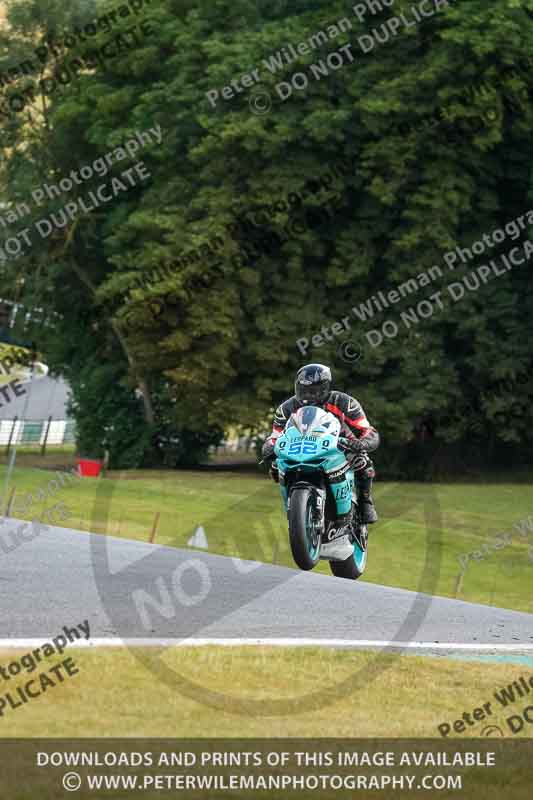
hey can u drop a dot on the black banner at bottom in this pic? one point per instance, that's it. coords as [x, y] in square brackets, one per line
[271, 768]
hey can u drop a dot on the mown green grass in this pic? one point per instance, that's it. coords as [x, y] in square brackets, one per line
[60, 456]
[423, 530]
[117, 693]
[262, 691]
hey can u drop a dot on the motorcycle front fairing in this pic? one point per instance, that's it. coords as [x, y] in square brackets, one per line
[308, 450]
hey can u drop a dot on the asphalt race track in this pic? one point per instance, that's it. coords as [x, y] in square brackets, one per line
[131, 590]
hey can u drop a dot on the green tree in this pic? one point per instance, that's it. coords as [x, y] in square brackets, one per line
[201, 306]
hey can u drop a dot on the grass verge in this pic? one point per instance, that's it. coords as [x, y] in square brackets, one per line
[396, 696]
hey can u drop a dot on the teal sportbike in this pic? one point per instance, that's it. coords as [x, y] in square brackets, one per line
[317, 485]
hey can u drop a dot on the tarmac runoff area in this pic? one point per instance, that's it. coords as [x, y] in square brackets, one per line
[137, 594]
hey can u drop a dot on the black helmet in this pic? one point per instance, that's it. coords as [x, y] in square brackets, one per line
[313, 384]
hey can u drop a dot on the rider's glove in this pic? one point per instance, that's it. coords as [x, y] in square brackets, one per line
[268, 450]
[351, 445]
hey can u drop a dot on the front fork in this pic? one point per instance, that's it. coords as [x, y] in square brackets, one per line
[320, 507]
[320, 501]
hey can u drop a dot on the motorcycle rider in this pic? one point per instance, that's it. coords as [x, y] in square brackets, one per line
[313, 387]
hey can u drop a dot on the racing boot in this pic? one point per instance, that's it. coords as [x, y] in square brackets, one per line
[364, 498]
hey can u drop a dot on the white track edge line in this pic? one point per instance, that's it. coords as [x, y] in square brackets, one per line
[12, 644]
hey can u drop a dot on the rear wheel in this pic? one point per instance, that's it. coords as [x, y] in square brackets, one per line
[354, 566]
[304, 529]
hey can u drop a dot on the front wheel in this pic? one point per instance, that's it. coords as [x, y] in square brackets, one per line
[354, 566]
[304, 530]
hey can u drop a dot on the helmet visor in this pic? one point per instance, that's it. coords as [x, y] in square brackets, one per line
[312, 394]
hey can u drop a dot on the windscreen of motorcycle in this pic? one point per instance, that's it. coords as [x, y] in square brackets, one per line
[312, 419]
